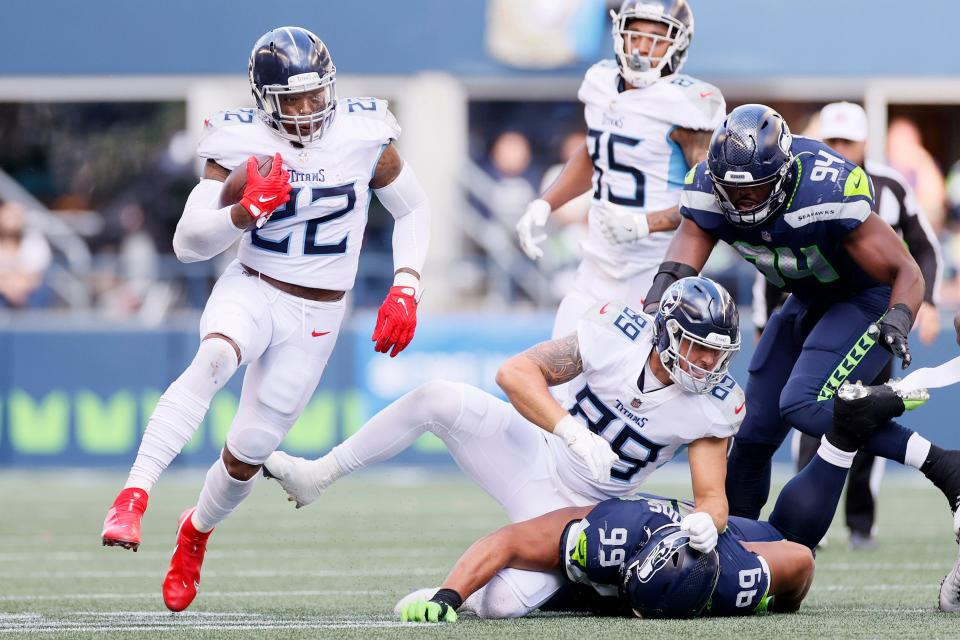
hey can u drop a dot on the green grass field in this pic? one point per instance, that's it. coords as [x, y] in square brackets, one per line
[335, 569]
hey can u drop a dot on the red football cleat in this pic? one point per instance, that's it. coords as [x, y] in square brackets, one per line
[183, 577]
[121, 528]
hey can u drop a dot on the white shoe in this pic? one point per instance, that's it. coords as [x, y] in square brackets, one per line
[419, 594]
[303, 480]
[950, 590]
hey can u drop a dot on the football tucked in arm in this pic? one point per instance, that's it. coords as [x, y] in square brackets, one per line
[236, 182]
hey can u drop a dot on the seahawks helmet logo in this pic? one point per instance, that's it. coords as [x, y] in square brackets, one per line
[661, 554]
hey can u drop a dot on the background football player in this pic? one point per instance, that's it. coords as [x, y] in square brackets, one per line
[646, 125]
[643, 386]
[803, 216]
[632, 549]
[843, 126]
[278, 307]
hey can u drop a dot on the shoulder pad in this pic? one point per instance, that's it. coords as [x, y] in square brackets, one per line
[599, 82]
[726, 408]
[606, 333]
[699, 105]
[619, 319]
[830, 188]
[858, 183]
[229, 118]
[371, 118]
[697, 194]
[221, 133]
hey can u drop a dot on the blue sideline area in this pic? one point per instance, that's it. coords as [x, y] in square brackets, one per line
[70, 398]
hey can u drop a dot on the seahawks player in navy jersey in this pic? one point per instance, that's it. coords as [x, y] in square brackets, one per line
[632, 554]
[803, 216]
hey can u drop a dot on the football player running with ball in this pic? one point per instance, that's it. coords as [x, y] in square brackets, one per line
[641, 388]
[278, 307]
[646, 125]
[803, 216]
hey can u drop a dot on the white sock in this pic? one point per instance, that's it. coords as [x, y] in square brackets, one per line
[221, 494]
[326, 470]
[918, 448]
[835, 456]
[180, 411]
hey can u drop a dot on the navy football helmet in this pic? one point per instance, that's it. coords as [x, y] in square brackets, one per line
[666, 578]
[751, 149]
[642, 70]
[696, 312]
[287, 63]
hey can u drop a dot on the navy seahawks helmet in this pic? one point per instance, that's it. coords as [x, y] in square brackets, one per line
[666, 578]
[696, 311]
[287, 62]
[640, 70]
[750, 149]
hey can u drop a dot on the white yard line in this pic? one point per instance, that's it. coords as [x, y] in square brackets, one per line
[206, 594]
[128, 621]
[36, 555]
[238, 573]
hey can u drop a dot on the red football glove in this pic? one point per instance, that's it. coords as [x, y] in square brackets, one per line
[396, 321]
[263, 194]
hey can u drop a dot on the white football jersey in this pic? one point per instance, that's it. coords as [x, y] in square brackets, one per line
[314, 240]
[635, 163]
[644, 429]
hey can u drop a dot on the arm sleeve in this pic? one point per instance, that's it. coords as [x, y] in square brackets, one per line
[922, 244]
[406, 201]
[204, 230]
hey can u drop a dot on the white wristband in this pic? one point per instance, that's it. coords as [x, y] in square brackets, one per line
[568, 428]
[643, 227]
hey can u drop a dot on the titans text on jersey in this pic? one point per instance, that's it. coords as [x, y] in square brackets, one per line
[644, 429]
[314, 240]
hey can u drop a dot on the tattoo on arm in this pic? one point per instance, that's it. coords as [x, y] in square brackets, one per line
[666, 220]
[559, 360]
[694, 144]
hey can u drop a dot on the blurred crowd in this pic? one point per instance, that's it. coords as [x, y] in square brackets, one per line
[520, 173]
[125, 211]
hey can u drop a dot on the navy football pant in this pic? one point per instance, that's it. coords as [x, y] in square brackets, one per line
[861, 504]
[804, 509]
[803, 355]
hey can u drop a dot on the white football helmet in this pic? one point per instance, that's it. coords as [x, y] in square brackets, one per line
[643, 70]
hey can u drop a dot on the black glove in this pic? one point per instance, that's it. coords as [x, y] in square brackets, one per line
[891, 331]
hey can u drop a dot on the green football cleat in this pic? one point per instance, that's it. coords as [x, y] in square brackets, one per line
[427, 611]
[911, 399]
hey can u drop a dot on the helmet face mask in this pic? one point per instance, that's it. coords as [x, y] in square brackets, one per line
[696, 333]
[750, 150]
[291, 68]
[642, 70]
[317, 91]
[678, 359]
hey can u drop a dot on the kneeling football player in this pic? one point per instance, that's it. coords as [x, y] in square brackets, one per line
[635, 559]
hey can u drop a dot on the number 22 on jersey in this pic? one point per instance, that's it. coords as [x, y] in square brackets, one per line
[309, 227]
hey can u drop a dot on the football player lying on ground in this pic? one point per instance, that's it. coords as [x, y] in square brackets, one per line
[638, 561]
[664, 375]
